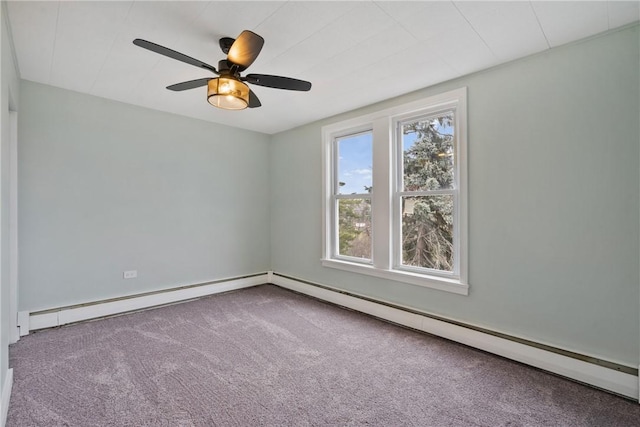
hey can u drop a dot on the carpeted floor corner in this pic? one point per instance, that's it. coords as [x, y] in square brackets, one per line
[265, 356]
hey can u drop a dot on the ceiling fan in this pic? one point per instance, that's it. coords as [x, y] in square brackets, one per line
[229, 91]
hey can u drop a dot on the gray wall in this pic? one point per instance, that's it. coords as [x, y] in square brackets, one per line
[553, 201]
[9, 89]
[106, 187]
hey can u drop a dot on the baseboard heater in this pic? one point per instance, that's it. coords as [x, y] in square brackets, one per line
[31, 321]
[610, 376]
[606, 375]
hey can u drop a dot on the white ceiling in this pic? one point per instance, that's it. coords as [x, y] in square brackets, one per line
[354, 53]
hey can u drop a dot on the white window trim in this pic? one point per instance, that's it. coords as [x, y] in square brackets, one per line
[334, 196]
[382, 122]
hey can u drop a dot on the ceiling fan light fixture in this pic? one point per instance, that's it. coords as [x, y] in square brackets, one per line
[228, 93]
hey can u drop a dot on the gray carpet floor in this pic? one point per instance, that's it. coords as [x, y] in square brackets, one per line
[265, 356]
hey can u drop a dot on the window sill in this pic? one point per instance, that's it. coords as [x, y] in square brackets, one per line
[433, 282]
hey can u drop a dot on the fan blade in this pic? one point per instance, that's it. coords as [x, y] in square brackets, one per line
[277, 82]
[245, 49]
[173, 54]
[254, 102]
[191, 84]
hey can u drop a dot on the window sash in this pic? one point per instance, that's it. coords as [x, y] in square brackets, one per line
[398, 159]
[399, 193]
[335, 244]
[397, 235]
[336, 196]
[336, 155]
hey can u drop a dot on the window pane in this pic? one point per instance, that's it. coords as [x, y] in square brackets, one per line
[354, 227]
[427, 232]
[428, 153]
[355, 160]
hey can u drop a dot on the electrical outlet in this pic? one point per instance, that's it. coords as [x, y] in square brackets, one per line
[132, 274]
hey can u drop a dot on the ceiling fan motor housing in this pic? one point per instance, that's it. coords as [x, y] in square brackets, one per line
[225, 44]
[224, 66]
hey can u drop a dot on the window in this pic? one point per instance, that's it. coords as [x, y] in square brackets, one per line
[352, 195]
[426, 191]
[395, 193]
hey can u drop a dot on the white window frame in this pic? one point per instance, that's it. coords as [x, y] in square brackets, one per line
[399, 192]
[385, 195]
[336, 196]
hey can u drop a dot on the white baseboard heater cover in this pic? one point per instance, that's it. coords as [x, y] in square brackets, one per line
[43, 319]
[619, 379]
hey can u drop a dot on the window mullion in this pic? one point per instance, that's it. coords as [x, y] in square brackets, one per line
[381, 196]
